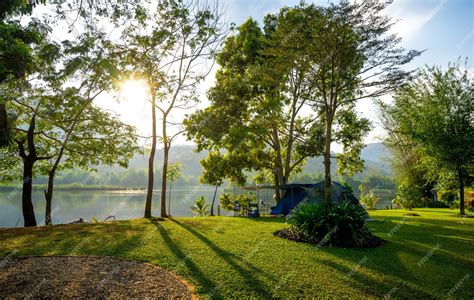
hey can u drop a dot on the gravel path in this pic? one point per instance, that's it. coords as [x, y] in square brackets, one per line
[85, 277]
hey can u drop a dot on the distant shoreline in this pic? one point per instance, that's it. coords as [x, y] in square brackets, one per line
[76, 187]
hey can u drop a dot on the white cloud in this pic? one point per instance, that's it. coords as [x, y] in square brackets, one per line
[412, 16]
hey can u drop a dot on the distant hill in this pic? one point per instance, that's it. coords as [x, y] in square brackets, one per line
[376, 157]
[376, 152]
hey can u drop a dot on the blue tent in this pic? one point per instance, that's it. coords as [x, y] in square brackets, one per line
[296, 193]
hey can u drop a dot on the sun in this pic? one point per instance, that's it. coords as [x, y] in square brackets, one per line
[134, 90]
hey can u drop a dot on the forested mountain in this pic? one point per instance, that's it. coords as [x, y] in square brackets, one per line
[375, 155]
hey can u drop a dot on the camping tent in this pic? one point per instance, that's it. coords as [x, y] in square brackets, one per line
[296, 193]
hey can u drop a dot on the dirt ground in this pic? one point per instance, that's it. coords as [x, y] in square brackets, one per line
[85, 277]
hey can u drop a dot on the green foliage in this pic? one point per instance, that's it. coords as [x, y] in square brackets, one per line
[448, 196]
[434, 114]
[200, 207]
[332, 225]
[174, 171]
[256, 109]
[438, 204]
[218, 167]
[408, 196]
[227, 202]
[369, 199]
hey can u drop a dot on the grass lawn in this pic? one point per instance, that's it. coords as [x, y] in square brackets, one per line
[426, 256]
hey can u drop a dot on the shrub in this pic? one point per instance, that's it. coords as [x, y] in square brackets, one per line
[408, 196]
[369, 200]
[438, 204]
[469, 198]
[448, 196]
[340, 225]
[227, 201]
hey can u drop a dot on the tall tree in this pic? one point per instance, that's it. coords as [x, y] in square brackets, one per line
[169, 47]
[56, 119]
[352, 56]
[411, 168]
[436, 113]
[256, 106]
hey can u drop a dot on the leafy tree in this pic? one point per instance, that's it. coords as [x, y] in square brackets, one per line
[351, 57]
[408, 195]
[174, 173]
[435, 112]
[55, 118]
[168, 47]
[214, 173]
[412, 168]
[257, 111]
[217, 168]
[16, 54]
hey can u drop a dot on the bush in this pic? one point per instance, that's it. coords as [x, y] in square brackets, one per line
[408, 196]
[227, 202]
[438, 204]
[369, 200]
[469, 198]
[448, 196]
[335, 225]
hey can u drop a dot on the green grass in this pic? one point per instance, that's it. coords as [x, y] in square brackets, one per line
[425, 256]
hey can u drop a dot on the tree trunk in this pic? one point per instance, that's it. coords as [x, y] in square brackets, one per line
[277, 188]
[278, 165]
[327, 162]
[26, 202]
[164, 175]
[169, 199]
[213, 200]
[461, 193]
[151, 160]
[4, 130]
[48, 194]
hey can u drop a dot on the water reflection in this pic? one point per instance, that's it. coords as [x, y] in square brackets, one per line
[72, 205]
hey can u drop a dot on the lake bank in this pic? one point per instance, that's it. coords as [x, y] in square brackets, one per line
[70, 205]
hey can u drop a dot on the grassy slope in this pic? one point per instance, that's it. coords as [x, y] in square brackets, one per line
[239, 257]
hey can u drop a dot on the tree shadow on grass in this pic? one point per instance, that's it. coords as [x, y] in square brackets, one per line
[384, 288]
[417, 259]
[78, 239]
[248, 272]
[196, 273]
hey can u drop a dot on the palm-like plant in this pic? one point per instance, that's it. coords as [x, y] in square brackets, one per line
[200, 207]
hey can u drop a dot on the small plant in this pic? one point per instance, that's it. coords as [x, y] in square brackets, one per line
[200, 207]
[369, 199]
[340, 225]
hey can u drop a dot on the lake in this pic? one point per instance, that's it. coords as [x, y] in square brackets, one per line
[72, 205]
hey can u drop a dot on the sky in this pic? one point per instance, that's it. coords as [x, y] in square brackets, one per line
[444, 28]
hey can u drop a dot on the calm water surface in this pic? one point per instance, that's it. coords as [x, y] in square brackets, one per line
[72, 205]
